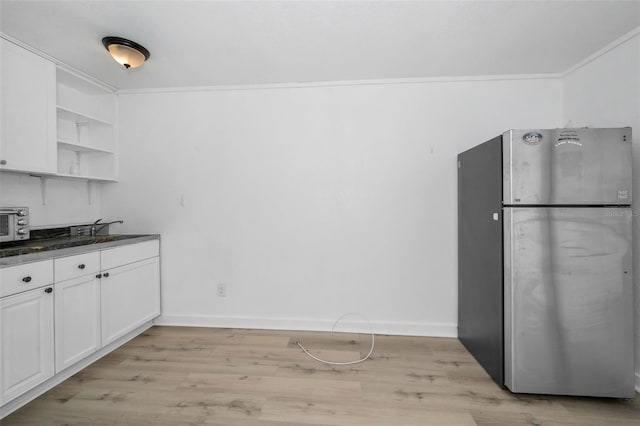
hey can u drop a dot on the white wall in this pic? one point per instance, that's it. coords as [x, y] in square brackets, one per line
[66, 201]
[311, 202]
[606, 93]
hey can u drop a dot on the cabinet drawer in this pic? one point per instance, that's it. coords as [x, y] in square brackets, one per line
[19, 278]
[123, 255]
[77, 266]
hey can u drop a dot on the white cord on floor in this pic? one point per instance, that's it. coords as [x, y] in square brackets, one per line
[373, 340]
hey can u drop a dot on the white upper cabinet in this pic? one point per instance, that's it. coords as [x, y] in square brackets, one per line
[54, 122]
[28, 111]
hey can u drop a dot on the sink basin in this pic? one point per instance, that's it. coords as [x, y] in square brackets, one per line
[108, 238]
[37, 246]
[83, 241]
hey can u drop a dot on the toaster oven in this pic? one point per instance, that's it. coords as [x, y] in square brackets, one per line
[14, 224]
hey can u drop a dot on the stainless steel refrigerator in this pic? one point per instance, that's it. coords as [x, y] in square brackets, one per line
[545, 280]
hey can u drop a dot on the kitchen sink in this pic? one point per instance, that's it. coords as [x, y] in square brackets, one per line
[83, 241]
[37, 246]
[108, 238]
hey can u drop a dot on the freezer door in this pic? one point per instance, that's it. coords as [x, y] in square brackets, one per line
[569, 301]
[567, 167]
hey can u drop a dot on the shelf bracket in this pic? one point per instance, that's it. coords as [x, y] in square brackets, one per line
[43, 188]
[89, 190]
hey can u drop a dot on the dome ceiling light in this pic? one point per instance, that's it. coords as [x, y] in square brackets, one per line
[127, 53]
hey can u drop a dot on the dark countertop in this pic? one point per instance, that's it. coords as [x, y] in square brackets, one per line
[49, 248]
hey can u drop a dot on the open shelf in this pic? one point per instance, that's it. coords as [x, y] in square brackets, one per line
[86, 140]
[78, 147]
[65, 113]
[97, 165]
[81, 177]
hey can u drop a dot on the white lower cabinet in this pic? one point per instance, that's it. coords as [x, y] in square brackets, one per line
[96, 298]
[77, 316]
[130, 296]
[26, 341]
[77, 308]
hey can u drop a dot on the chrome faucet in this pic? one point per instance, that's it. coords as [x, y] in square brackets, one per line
[97, 226]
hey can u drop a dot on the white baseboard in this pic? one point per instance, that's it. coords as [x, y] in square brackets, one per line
[638, 381]
[349, 324]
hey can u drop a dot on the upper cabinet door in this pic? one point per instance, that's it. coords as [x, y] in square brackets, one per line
[28, 128]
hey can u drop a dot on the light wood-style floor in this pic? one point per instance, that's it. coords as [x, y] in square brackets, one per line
[205, 376]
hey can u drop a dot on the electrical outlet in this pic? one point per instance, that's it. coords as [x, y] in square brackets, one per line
[222, 290]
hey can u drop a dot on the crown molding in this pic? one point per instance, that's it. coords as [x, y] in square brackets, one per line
[63, 66]
[609, 47]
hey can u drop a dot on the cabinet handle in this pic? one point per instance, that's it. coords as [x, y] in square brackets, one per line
[106, 275]
[3, 162]
[48, 290]
[81, 266]
[99, 276]
[26, 279]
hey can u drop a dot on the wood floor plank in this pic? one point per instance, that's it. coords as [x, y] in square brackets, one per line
[321, 389]
[361, 414]
[275, 356]
[213, 338]
[199, 365]
[204, 376]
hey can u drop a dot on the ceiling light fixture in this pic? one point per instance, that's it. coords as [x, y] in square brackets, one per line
[127, 53]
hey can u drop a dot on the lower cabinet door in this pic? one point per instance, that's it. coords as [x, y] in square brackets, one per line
[77, 314]
[130, 297]
[26, 341]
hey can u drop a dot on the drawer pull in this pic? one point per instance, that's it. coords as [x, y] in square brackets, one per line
[48, 290]
[81, 266]
[106, 275]
[99, 276]
[26, 279]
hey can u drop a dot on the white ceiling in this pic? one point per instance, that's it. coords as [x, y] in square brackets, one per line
[204, 43]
